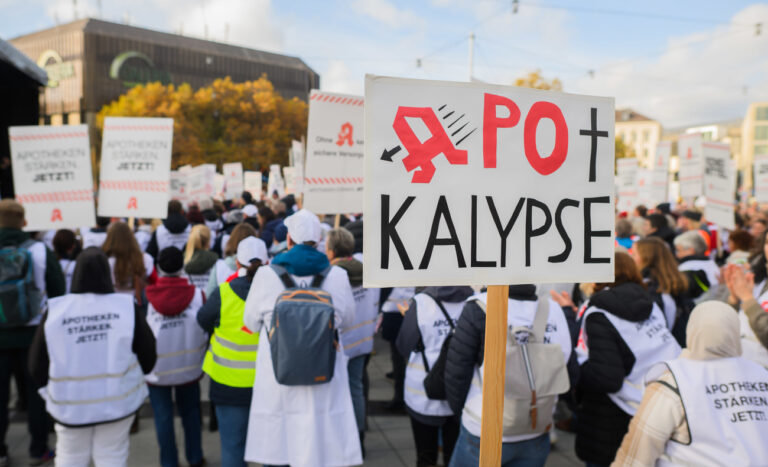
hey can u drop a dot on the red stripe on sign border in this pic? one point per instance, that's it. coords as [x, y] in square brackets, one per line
[139, 127]
[123, 185]
[48, 136]
[69, 196]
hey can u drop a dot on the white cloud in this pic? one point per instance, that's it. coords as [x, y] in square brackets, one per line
[337, 78]
[387, 13]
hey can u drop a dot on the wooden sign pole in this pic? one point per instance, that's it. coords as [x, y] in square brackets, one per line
[494, 361]
[337, 221]
[131, 222]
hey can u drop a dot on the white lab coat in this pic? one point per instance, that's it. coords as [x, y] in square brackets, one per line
[300, 425]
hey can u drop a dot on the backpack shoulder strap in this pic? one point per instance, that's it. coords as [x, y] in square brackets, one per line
[284, 275]
[318, 280]
[540, 320]
[27, 244]
[442, 308]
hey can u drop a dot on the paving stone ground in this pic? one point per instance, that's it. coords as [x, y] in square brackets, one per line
[389, 441]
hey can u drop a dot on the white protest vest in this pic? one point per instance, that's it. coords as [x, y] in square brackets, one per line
[726, 406]
[751, 347]
[199, 280]
[434, 328]
[181, 344]
[397, 302]
[708, 266]
[650, 343]
[91, 238]
[143, 236]
[94, 375]
[165, 238]
[519, 313]
[357, 339]
[223, 271]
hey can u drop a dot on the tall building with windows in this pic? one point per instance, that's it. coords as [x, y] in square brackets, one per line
[754, 138]
[640, 133]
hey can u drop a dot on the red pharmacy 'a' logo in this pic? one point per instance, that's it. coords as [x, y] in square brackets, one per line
[56, 215]
[345, 135]
[689, 155]
[132, 203]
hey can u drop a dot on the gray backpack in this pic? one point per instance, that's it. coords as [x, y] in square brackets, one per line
[302, 336]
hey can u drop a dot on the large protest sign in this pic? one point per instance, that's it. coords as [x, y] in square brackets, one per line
[252, 183]
[761, 178]
[179, 186]
[470, 183]
[275, 182]
[626, 181]
[289, 175]
[333, 178]
[201, 182]
[52, 175]
[660, 175]
[691, 165]
[135, 167]
[233, 180]
[719, 184]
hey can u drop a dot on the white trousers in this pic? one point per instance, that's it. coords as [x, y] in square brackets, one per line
[107, 443]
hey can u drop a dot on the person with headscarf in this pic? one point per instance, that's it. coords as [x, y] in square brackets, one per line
[89, 357]
[706, 407]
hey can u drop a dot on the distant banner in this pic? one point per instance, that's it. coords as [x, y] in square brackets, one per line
[645, 187]
[135, 167]
[626, 183]
[691, 165]
[333, 178]
[179, 186]
[275, 183]
[252, 184]
[660, 175]
[52, 175]
[289, 175]
[233, 180]
[719, 184]
[201, 182]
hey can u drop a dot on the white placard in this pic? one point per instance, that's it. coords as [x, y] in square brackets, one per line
[482, 184]
[719, 184]
[179, 186]
[691, 165]
[201, 182]
[333, 178]
[275, 182]
[289, 175]
[660, 176]
[52, 175]
[233, 180]
[626, 181]
[761, 178]
[645, 187]
[296, 153]
[252, 184]
[219, 184]
[135, 167]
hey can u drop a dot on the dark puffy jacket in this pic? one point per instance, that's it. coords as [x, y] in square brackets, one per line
[601, 423]
[175, 223]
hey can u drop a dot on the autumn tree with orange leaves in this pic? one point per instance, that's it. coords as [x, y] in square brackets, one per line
[224, 122]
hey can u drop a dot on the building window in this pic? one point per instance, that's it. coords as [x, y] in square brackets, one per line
[761, 132]
[645, 136]
[761, 113]
[761, 149]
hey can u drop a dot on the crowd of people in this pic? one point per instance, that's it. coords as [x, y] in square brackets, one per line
[667, 364]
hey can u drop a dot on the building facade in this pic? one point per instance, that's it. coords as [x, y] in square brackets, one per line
[754, 138]
[640, 133]
[92, 62]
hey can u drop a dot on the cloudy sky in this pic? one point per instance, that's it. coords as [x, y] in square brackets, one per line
[681, 62]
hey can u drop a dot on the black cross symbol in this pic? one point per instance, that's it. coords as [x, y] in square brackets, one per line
[594, 134]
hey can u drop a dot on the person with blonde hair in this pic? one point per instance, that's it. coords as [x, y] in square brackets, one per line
[130, 267]
[198, 258]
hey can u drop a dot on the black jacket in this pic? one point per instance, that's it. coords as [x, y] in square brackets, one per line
[175, 223]
[601, 423]
[467, 347]
[666, 234]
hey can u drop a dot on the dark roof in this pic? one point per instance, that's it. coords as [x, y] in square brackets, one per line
[14, 57]
[122, 31]
[629, 115]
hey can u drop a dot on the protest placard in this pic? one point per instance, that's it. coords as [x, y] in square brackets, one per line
[691, 165]
[52, 175]
[275, 182]
[719, 184]
[645, 187]
[451, 201]
[252, 183]
[333, 172]
[233, 180]
[626, 181]
[289, 175]
[201, 182]
[296, 153]
[761, 178]
[179, 186]
[660, 175]
[135, 167]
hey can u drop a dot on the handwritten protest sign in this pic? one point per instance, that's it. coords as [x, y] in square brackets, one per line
[761, 178]
[333, 178]
[252, 183]
[469, 183]
[691, 165]
[626, 179]
[135, 167]
[719, 184]
[52, 175]
[200, 182]
[179, 186]
[275, 183]
[660, 175]
[645, 187]
[233, 180]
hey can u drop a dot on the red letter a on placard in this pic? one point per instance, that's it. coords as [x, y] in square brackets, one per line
[132, 203]
[56, 215]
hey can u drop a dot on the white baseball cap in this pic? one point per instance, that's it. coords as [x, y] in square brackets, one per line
[303, 226]
[251, 248]
[250, 210]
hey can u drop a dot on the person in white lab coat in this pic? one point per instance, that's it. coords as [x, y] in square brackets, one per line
[300, 425]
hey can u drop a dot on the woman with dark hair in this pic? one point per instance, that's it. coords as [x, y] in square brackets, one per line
[89, 356]
[739, 245]
[129, 266]
[231, 357]
[666, 284]
[67, 247]
[623, 333]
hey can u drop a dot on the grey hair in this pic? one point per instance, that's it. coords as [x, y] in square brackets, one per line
[691, 239]
[341, 242]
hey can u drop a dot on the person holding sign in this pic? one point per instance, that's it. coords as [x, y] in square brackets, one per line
[705, 407]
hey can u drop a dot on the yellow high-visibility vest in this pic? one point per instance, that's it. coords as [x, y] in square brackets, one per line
[231, 357]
